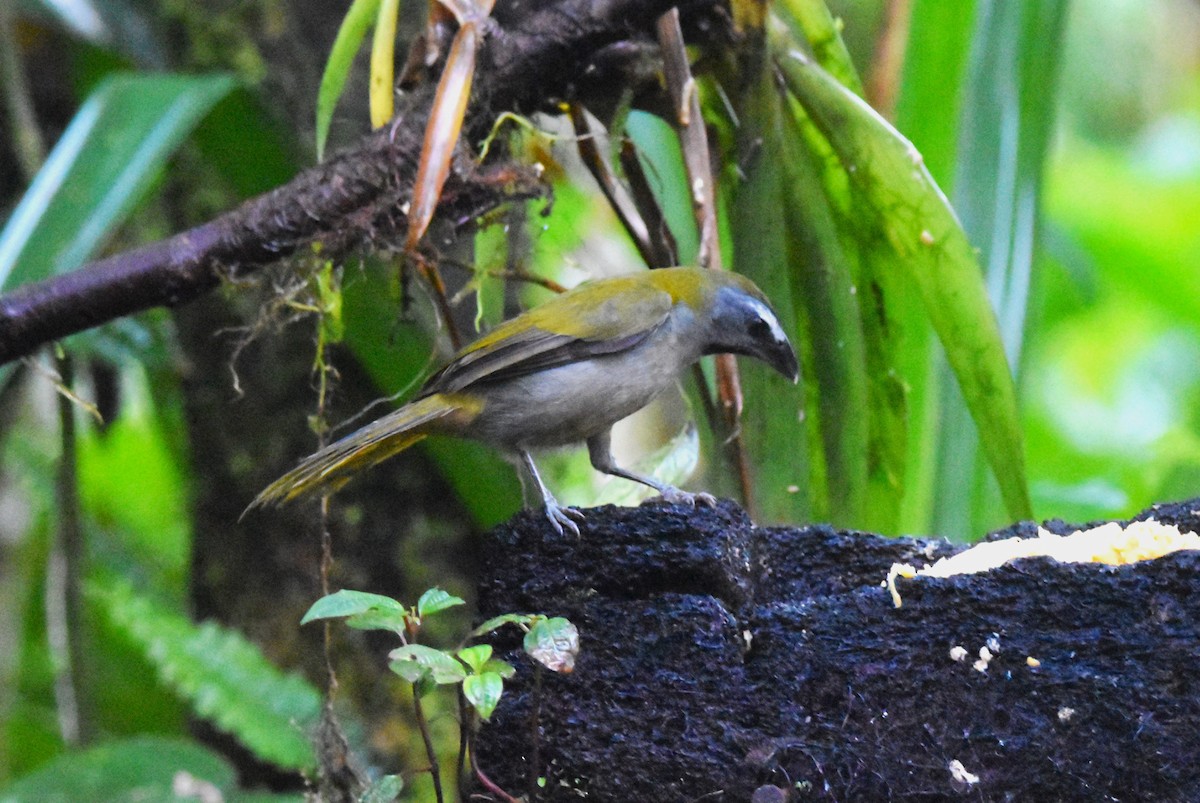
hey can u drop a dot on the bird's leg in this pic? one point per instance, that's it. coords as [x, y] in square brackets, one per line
[559, 516]
[600, 451]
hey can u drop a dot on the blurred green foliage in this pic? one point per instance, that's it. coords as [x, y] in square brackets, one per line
[1066, 135]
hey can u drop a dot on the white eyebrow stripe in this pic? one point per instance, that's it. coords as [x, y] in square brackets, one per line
[768, 317]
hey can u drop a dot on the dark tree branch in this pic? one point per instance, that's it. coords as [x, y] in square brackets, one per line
[539, 53]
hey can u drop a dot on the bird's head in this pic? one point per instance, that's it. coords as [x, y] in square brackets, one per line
[741, 321]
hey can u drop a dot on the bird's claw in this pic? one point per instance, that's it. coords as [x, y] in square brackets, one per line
[561, 517]
[674, 496]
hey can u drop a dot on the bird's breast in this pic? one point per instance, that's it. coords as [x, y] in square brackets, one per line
[573, 402]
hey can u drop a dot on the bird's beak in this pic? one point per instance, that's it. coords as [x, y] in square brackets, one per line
[782, 357]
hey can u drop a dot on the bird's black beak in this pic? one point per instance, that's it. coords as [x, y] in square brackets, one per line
[782, 357]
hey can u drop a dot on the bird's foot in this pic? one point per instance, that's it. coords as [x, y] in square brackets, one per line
[674, 496]
[561, 517]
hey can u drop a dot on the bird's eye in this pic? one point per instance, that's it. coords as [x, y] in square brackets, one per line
[759, 329]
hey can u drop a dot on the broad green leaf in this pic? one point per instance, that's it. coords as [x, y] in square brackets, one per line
[554, 643]
[443, 667]
[225, 677]
[920, 227]
[341, 56]
[1008, 118]
[476, 656]
[100, 169]
[931, 85]
[811, 20]
[141, 768]
[483, 692]
[658, 148]
[348, 603]
[775, 426]
[435, 600]
[501, 620]
[827, 289]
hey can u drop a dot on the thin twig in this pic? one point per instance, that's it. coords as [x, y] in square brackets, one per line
[696, 156]
[535, 736]
[430, 753]
[487, 782]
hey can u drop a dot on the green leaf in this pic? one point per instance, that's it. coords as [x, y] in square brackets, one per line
[502, 668]
[383, 790]
[938, 260]
[349, 603]
[775, 427]
[931, 85]
[443, 667]
[435, 600]
[483, 692]
[658, 149]
[225, 677]
[476, 656]
[1008, 119]
[100, 169]
[554, 643]
[501, 620]
[350, 35]
[141, 768]
[378, 619]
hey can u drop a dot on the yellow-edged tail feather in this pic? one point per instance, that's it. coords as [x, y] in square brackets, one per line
[333, 466]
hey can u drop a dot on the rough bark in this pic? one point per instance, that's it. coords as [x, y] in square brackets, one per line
[720, 661]
[536, 54]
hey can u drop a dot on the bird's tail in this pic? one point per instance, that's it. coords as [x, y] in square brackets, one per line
[330, 468]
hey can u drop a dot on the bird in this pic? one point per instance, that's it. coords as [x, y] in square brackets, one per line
[564, 372]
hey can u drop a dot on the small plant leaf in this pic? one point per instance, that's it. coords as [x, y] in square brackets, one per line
[501, 620]
[435, 600]
[483, 692]
[341, 56]
[348, 603]
[384, 790]
[553, 643]
[476, 656]
[378, 619]
[502, 668]
[443, 667]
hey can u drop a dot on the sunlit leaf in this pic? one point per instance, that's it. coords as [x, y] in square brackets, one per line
[435, 599]
[383, 790]
[476, 656]
[348, 603]
[443, 667]
[483, 692]
[349, 38]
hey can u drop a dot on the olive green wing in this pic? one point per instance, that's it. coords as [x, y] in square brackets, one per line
[606, 317]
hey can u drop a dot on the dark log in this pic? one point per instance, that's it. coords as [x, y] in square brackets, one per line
[719, 660]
